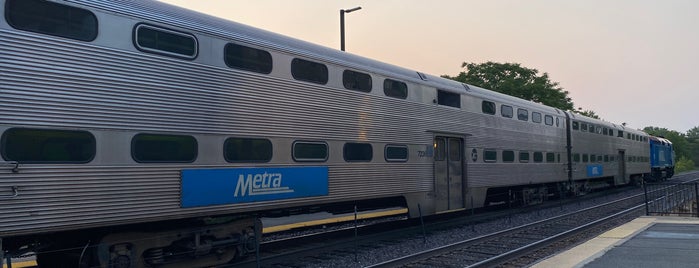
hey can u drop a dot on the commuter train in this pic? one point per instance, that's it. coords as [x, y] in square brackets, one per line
[140, 134]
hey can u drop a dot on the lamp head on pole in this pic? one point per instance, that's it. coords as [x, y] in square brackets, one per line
[351, 9]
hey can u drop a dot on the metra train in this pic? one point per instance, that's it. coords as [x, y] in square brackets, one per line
[135, 133]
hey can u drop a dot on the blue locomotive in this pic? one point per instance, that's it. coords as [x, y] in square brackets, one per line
[662, 159]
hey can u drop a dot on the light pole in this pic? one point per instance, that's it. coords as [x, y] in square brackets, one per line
[342, 25]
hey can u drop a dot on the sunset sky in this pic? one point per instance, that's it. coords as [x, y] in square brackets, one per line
[633, 61]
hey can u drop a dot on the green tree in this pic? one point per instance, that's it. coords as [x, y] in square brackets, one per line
[588, 113]
[515, 80]
[693, 139]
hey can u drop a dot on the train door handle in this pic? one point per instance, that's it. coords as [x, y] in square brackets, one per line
[15, 193]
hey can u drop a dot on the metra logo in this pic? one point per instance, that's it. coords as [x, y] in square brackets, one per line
[260, 184]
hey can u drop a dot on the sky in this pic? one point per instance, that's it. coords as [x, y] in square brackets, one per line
[629, 61]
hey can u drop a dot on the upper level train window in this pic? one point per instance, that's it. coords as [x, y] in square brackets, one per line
[506, 111]
[583, 127]
[356, 81]
[576, 125]
[448, 99]
[396, 153]
[522, 114]
[309, 71]
[167, 42]
[490, 156]
[538, 157]
[247, 58]
[548, 120]
[523, 157]
[576, 158]
[550, 157]
[536, 117]
[508, 156]
[26, 145]
[357, 152]
[310, 151]
[488, 107]
[157, 148]
[247, 150]
[591, 128]
[620, 134]
[396, 89]
[51, 18]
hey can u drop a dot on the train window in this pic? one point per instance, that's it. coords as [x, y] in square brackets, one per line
[506, 111]
[310, 151]
[309, 71]
[591, 128]
[156, 148]
[247, 150]
[357, 152]
[356, 81]
[576, 158]
[508, 156]
[558, 157]
[606, 158]
[585, 158]
[490, 156]
[583, 127]
[448, 99]
[599, 159]
[488, 107]
[548, 120]
[576, 125]
[620, 134]
[593, 158]
[247, 58]
[167, 42]
[51, 18]
[522, 114]
[550, 157]
[440, 149]
[628, 136]
[558, 122]
[396, 89]
[605, 131]
[25, 145]
[538, 157]
[536, 117]
[599, 130]
[454, 150]
[611, 132]
[396, 153]
[612, 158]
[524, 157]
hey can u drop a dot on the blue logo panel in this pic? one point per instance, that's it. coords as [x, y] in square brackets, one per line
[207, 187]
[594, 171]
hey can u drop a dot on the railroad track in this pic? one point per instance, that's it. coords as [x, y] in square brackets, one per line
[513, 247]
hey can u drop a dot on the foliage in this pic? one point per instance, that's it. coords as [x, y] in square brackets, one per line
[515, 80]
[588, 113]
[684, 164]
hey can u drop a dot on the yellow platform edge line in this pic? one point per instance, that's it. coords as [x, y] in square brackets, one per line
[287, 227]
[21, 264]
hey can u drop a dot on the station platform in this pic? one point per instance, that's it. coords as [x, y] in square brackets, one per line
[643, 242]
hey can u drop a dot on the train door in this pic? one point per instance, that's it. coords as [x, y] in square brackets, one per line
[448, 173]
[622, 168]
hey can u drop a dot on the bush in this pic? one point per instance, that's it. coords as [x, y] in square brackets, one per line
[684, 164]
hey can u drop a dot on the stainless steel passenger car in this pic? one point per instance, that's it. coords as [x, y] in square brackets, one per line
[147, 134]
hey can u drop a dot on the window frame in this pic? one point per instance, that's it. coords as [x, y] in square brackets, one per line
[486, 107]
[450, 99]
[298, 64]
[385, 153]
[522, 114]
[356, 74]
[490, 152]
[364, 159]
[261, 68]
[228, 141]
[297, 159]
[92, 145]
[511, 110]
[48, 4]
[142, 161]
[389, 90]
[160, 51]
